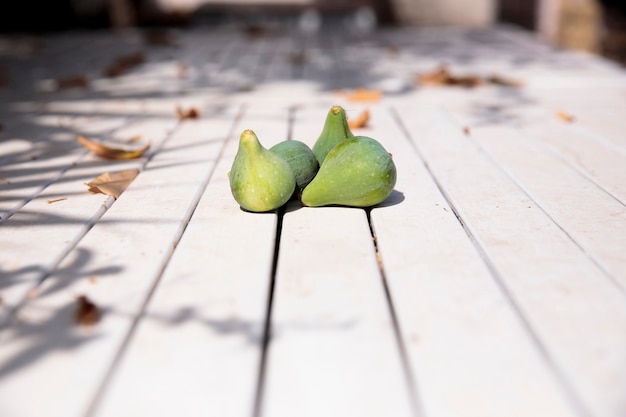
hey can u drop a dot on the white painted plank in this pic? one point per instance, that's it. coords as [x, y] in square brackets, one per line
[333, 349]
[593, 218]
[469, 352]
[586, 152]
[201, 335]
[33, 162]
[128, 249]
[576, 314]
[58, 226]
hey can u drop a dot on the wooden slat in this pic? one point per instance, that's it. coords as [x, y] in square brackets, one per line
[466, 345]
[603, 164]
[124, 254]
[591, 217]
[333, 349]
[33, 162]
[58, 226]
[201, 335]
[560, 294]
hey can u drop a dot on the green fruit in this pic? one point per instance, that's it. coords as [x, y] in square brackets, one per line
[301, 160]
[358, 172]
[260, 180]
[335, 131]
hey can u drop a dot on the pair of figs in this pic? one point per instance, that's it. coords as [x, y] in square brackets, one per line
[340, 169]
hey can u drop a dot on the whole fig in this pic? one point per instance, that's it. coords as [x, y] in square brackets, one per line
[358, 172]
[301, 160]
[260, 180]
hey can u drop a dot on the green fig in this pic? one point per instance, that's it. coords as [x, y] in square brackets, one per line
[301, 160]
[260, 180]
[358, 172]
[335, 130]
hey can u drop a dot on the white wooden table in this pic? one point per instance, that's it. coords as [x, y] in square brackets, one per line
[491, 283]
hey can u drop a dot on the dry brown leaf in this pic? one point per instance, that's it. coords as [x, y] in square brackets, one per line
[297, 58]
[439, 76]
[360, 121]
[86, 313]
[466, 130]
[112, 183]
[111, 151]
[158, 37]
[56, 200]
[190, 113]
[442, 76]
[255, 31]
[363, 94]
[74, 81]
[124, 63]
[502, 81]
[566, 117]
[134, 139]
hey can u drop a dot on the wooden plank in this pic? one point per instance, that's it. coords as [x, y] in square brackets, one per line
[31, 163]
[559, 293]
[603, 163]
[590, 216]
[333, 349]
[124, 253]
[59, 215]
[202, 332]
[468, 350]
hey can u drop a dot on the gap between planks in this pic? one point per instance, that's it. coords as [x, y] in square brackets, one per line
[163, 264]
[566, 384]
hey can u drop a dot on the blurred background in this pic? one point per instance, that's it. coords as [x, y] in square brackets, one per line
[597, 26]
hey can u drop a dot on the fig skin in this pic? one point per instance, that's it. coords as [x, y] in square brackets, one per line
[301, 160]
[335, 130]
[260, 180]
[358, 172]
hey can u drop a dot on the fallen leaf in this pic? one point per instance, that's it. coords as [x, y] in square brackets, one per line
[466, 130]
[86, 313]
[112, 151]
[255, 31]
[363, 94]
[566, 117]
[190, 113]
[134, 139]
[92, 280]
[360, 121]
[158, 37]
[439, 76]
[112, 183]
[56, 200]
[297, 58]
[442, 76]
[124, 63]
[502, 81]
[74, 81]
